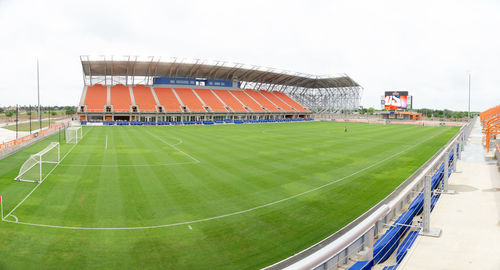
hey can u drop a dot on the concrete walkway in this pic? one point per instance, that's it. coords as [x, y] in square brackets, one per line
[8, 135]
[469, 219]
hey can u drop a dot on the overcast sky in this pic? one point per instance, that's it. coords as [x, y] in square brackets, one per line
[424, 47]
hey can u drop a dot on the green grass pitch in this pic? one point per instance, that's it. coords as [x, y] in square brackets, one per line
[26, 126]
[202, 197]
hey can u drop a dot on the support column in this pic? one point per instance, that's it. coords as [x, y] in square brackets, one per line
[445, 176]
[369, 240]
[459, 151]
[462, 143]
[426, 214]
[455, 154]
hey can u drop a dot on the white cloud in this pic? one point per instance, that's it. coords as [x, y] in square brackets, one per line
[425, 47]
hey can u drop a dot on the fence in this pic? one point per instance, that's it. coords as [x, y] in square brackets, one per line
[10, 147]
[356, 240]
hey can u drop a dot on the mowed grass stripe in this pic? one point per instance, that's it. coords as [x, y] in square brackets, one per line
[193, 198]
[241, 167]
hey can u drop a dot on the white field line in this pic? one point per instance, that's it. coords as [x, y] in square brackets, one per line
[135, 165]
[129, 165]
[33, 190]
[173, 146]
[229, 214]
[106, 147]
[180, 141]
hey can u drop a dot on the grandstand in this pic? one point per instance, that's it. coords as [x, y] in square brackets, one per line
[154, 91]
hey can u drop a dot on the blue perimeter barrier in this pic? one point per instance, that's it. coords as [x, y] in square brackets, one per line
[388, 243]
[206, 122]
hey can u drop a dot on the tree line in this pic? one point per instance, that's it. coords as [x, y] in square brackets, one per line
[25, 110]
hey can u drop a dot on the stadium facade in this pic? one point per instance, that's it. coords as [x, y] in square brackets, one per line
[152, 90]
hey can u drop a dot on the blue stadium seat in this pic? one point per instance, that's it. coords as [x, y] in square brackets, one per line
[361, 265]
[407, 243]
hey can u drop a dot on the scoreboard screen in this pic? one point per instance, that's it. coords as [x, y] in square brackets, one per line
[396, 100]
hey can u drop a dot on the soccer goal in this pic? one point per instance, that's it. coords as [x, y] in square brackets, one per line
[74, 135]
[39, 165]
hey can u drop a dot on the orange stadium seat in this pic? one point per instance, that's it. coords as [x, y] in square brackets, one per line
[490, 120]
[120, 98]
[210, 100]
[229, 100]
[247, 100]
[144, 99]
[96, 98]
[262, 100]
[190, 100]
[290, 101]
[168, 100]
[280, 103]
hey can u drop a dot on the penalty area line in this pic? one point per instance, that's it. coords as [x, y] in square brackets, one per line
[173, 146]
[228, 214]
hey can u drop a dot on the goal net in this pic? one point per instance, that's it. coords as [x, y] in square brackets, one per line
[38, 165]
[73, 134]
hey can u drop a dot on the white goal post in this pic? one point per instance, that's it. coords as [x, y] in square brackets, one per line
[74, 134]
[33, 169]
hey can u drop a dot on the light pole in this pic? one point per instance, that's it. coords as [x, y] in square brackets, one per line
[468, 112]
[38, 92]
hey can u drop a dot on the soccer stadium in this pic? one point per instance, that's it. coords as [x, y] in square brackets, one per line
[194, 165]
[110, 160]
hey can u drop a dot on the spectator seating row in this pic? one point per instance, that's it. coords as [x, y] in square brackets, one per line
[141, 98]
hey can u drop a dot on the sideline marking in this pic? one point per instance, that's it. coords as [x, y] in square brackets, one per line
[229, 214]
[33, 190]
[106, 147]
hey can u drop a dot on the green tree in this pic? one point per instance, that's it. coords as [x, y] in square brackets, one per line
[371, 110]
[53, 113]
[69, 110]
[10, 113]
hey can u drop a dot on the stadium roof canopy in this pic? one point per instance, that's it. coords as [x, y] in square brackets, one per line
[131, 67]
